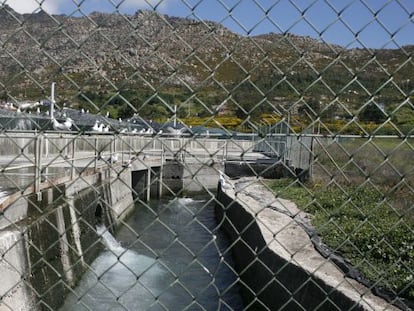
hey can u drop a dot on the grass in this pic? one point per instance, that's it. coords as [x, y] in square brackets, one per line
[361, 198]
[354, 160]
[383, 163]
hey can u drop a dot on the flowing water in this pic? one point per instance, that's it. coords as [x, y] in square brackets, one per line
[169, 255]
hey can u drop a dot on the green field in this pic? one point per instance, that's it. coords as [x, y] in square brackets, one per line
[361, 198]
[386, 164]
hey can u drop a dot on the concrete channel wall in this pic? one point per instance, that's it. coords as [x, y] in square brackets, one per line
[48, 228]
[175, 178]
[46, 245]
[276, 261]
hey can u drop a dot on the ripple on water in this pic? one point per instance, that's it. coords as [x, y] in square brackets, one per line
[169, 256]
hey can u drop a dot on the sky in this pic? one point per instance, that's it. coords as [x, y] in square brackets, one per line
[350, 23]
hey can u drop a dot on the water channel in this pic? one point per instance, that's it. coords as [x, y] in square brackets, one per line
[169, 255]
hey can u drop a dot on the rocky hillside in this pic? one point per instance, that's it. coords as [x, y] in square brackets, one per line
[149, 60]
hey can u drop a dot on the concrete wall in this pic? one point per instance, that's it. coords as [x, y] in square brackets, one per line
[177, 179]
[46, 245]
[277, 263]
[120, 196]
[199, 177]
[266, 170]
[268, 281]
[145, 183]
[172, 178]
[14, 292]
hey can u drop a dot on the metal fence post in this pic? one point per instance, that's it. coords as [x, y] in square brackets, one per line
[148, 184]
[161, 172]
[73, 170]
[38, 166]
[96, 153]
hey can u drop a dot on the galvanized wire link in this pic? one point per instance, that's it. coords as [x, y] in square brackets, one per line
[206, 155]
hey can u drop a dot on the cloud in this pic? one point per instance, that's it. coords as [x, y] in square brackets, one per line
[142, 4]
[127, 6]
[30, 6]
[66, 6]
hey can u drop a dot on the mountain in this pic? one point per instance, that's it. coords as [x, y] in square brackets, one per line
[150, 61]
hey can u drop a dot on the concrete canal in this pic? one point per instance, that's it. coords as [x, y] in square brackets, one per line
[53, 235]
[92, 238]
[169, 254]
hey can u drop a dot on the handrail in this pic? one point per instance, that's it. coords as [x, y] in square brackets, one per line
[46, 149]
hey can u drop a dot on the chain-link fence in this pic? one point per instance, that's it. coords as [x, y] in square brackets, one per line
[206, 155]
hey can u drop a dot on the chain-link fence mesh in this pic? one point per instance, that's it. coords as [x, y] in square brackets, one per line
[206, 155]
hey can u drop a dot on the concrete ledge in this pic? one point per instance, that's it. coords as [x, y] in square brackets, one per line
[46, 244]
[275, 258]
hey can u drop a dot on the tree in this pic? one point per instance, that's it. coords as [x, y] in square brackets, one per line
[404, 116]
[373, 113]
[310, 108]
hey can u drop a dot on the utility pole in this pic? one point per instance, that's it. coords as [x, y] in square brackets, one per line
[52, 101]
